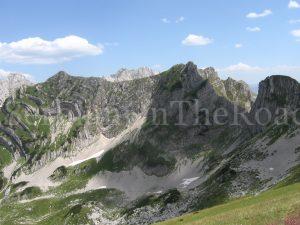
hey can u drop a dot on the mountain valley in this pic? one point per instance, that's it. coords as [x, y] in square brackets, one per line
[140, 147]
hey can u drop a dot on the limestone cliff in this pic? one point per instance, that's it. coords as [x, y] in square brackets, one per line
[10, 83]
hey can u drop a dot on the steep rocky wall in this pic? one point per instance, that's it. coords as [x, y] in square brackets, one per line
[10, 84]
[237, 92]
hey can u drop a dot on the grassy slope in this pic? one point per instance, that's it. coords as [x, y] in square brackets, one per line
[73, 209]
[267, 208]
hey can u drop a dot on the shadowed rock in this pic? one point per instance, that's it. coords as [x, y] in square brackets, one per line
[36, 100]
[15, 139]
[8, 145]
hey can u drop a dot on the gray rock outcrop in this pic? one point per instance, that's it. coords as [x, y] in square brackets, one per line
[131, 74]
[11, 83]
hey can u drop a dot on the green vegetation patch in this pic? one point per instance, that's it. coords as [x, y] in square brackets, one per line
[173, 78]
[28, 193]
[266, 208]
[276, 131]
[293, 177]
[73, 209]
[75, 177]
[59, 174]
[76, 128]
[5, 157]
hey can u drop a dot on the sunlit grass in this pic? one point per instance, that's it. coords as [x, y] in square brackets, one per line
[270, 207]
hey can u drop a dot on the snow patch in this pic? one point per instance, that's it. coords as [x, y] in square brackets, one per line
[188, 181]
[96, 155]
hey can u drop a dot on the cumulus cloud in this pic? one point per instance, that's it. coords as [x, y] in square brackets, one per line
[293, 4]
[253, 74]
[253, 29]
[238, 45]
[196, 40]
[165, 20]
[180, 19]
[254, 15]
[296, 33]
[39, 51]
[241, 68]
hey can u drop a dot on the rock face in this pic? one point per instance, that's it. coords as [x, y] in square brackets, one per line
[278, 91]
[126, 74]
[236, 91]
[239, 92]
[212, 76]
[276, 94]
[9, 84]
[114, 105]
[173, 113]
[138, 151]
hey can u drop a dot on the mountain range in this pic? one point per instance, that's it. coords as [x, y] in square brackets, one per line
[140, 147]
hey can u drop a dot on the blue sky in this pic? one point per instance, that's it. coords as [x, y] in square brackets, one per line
[244, 39]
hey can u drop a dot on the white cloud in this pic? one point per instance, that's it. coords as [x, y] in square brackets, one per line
[180, 19]
[238, 45]
[294, 21]
[253, 29]
[245, 68]
[296, 33]
[254, 15]
[293, 5]
[38, 51]
[196, 40]
[240, 67]
[254, 74]
[165, 20]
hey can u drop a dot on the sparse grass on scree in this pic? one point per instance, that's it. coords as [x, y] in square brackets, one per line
[280, 206]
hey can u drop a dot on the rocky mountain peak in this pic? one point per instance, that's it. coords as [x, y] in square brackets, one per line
[190, 68]
[10, 83]
[241, 87]
[229, 79]
[278, 91]
[275, 92]
[190, 76]
[281, 90]
[210, 73]
[131, 74]
[60, 78]
[61, 75]
[279, 83]
[236, 91]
